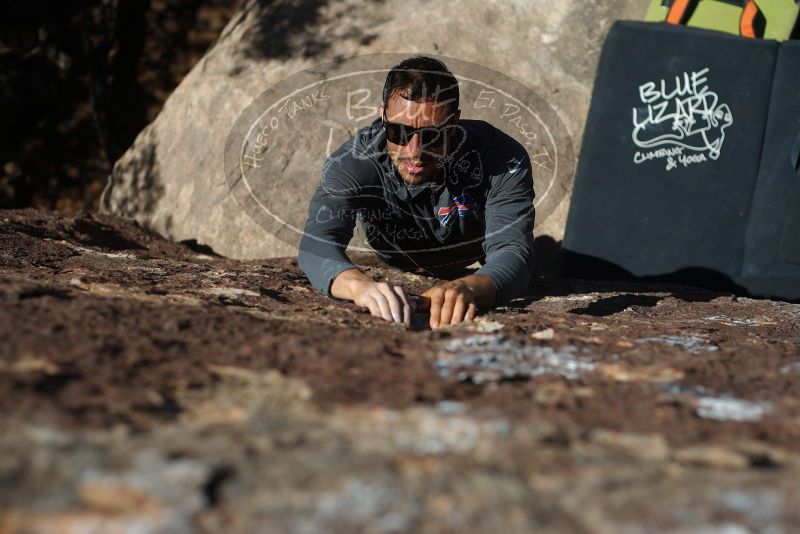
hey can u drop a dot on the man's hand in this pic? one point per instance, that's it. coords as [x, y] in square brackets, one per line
[458, 300]
[382, 299]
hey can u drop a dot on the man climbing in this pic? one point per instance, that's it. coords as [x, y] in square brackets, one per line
[434, 193]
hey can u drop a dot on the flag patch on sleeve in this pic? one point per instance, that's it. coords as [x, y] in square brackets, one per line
[459, 205]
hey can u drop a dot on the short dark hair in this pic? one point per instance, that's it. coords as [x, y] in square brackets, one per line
[421, 78]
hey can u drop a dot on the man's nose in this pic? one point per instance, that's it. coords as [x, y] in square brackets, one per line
[414, 147]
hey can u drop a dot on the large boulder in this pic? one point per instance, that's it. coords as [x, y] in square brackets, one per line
[180, 180]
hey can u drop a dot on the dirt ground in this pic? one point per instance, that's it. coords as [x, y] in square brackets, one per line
[154, 385]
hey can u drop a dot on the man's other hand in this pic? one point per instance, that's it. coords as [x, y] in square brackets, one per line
[381, 299]
[458, 300]
[384, 300]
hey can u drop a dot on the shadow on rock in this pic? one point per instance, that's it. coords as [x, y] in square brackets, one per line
[617, 303]
[95, 233]
[134, 188]
[288, 29]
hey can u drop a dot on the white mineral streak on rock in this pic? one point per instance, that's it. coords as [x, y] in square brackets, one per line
[724, 319]
[491, 358]
[214, 274]
[93, 252]
[232, 292]
[690, 391]
[146, 269]
[450, 407]
[761, 506]
[570, 298]
[434, 434]
[721, 407]
[793, 367]
[356, 503]
[489, 327]
[544, 335]
[732, 409]
[692, 344]
[429, 432]
[447, 429]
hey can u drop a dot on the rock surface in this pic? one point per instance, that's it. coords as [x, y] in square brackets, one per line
[150, 386]
[172, 179]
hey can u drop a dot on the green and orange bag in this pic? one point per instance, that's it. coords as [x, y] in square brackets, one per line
[758, 19]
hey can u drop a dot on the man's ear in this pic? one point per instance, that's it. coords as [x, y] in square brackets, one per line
[380, 110]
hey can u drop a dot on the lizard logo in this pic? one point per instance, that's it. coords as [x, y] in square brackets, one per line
[684, 123]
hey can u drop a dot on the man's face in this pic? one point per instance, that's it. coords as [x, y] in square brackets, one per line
[416, 162]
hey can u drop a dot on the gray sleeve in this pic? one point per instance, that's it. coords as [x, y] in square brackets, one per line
[509, 216]
[328, 229]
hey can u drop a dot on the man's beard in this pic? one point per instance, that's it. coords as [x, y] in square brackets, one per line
[432, 171]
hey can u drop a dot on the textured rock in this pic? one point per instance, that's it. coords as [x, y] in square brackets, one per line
[149, 387]
[172, 180]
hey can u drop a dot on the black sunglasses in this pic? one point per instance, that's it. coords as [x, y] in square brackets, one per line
[401, 134]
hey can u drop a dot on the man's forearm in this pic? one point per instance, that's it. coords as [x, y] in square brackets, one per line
[482, 288]
[510, 271]
[345, 284]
